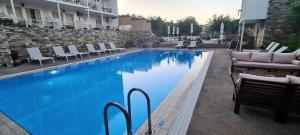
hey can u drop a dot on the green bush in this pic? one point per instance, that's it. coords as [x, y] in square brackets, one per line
[292, 41]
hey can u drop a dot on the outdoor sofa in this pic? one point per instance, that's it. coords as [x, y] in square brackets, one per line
[269, 61]
[281, 94]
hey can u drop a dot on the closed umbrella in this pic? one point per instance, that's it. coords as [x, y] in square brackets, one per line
[192, 30]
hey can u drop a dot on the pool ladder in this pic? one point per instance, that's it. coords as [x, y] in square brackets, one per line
[128, 114]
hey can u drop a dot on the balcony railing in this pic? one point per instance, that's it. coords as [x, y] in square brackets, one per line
[75, 2]
[107, 10]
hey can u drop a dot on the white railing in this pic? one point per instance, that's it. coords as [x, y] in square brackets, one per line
[74, 2]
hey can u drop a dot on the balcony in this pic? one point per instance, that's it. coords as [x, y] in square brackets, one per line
[106, 10]
[78, 3]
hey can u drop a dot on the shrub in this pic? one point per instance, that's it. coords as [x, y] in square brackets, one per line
[292, 41]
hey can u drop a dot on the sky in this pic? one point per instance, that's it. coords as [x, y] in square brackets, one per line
[174, 10]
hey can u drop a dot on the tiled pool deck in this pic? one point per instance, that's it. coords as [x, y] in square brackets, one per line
[213, 113]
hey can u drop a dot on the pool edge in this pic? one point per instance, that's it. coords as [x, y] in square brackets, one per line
[63, 65]
[176, 115]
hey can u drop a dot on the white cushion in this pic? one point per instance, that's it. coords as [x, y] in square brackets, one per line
[241, 56]
[261, 57]
[284, 58]
[296, 62]
[264, 78]
[234, 60]
[294, 79]
[266, 65]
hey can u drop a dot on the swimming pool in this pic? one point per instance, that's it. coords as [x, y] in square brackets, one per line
[70, 100]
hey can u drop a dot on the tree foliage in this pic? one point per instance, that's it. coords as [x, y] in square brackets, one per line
[160, 25]
[185, 26]
[294, 11]
[231, 25]
[293, 40]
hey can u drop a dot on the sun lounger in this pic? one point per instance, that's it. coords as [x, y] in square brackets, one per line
[35, 54]
[113, 46]
[59, 52]
[297, 52]
[179, 45]
[274, 47]
[91, 49]
[103, 48]
[256, 50]
[193, 45]
[73, 50]
[282, 49]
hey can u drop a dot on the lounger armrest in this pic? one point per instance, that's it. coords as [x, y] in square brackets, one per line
[296, 62]
[234, 60]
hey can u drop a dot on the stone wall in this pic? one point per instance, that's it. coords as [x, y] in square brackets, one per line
[5, 54]
[21, 38]
[277, 24]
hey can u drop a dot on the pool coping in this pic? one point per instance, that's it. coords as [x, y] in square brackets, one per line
[174, 114]
[63, 65]
[8, 126]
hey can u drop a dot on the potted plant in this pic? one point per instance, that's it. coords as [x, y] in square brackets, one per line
[15, 56]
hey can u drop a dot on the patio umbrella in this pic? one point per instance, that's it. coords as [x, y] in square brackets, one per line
[222, 30]
[169, 31]
[192, 30]
[173, 30]
[177, 32]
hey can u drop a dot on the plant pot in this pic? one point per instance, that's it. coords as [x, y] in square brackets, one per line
[17, 62]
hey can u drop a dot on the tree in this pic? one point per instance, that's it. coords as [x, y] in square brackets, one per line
[294, 11]
[293, 40]
[185, 26]
[159, 26]
[230, 25]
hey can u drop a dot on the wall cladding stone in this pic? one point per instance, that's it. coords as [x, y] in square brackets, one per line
[21, 38]
[5, 54]
[277, 24]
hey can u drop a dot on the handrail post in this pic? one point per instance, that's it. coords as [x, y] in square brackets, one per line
[120, 107]
[148, 107]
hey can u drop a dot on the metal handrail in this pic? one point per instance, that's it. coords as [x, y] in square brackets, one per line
[148, 107]
[120, 107]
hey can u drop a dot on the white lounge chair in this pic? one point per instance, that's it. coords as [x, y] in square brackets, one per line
[256, 50]
[193, 44]
[91, 49]
[73, 50]
[35, 54]
[59, 52]
[282, 49]
[113, 46]
[297, 52]
[273, 48]
[103, 48]
[179, 44]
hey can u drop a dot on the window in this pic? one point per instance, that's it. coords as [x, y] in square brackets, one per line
[55, 15]
[17, 9]
[33, 14]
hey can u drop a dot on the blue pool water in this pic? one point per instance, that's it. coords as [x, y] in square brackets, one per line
[70, 100]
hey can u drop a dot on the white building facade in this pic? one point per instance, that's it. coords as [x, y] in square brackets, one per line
[62, 13]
